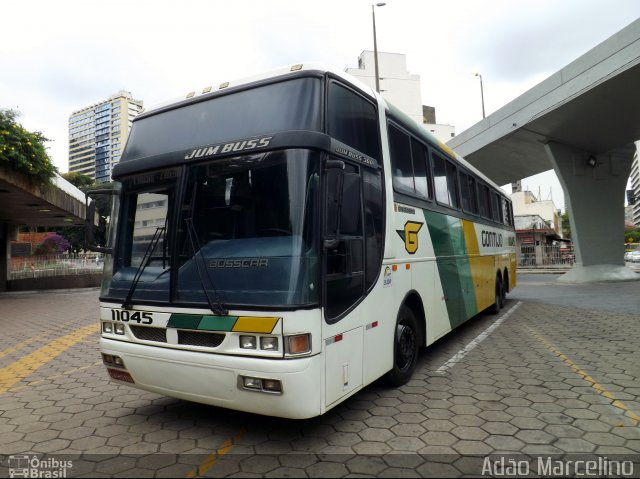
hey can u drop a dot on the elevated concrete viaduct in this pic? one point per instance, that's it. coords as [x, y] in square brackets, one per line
[24, 202]
[582, 122]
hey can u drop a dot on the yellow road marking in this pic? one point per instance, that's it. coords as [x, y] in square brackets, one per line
[626, 411]
[18, 346]
[23, 367]
[49, 378]
[211, 459]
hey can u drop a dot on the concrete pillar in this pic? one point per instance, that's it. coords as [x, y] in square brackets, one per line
[5, 250]
[594, 188]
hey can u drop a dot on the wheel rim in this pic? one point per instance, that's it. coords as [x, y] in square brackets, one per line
[406, 346]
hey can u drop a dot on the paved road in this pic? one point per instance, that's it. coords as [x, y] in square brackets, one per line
[622, 297]
[558, 373]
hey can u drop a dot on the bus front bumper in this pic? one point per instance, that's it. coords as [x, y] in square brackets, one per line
[215, 378]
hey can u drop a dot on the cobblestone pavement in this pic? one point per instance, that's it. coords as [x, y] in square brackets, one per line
[548, 380]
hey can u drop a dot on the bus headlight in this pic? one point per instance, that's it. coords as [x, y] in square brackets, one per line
[248, 342]
[119, 328]
[107, 327]
[111, 360]
[252, 383]
[273, 386]
[269, 344]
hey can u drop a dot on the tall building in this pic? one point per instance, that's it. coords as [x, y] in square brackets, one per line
[400, 87]
[98, 133]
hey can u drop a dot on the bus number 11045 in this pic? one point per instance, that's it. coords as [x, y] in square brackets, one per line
[126, 316]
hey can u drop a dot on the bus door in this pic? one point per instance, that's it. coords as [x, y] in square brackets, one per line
[344, 278]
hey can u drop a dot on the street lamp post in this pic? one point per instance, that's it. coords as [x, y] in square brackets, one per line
[481, 93]
[375, 43]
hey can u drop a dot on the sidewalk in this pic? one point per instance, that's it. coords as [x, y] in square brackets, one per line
[561, 269]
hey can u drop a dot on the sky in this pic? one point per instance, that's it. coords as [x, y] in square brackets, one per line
[58, 57]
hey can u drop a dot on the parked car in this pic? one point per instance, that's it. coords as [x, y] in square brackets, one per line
[632, 256]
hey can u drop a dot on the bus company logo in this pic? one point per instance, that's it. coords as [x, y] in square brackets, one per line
[239, 263]
[410, 236]
[23, 465]
[237, 146]
[491, 239]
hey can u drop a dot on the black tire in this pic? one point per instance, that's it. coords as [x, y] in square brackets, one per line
[505, 288]
[406, 345]
[499, 294]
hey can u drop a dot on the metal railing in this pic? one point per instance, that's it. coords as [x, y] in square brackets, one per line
[531, 256]
[47, 266]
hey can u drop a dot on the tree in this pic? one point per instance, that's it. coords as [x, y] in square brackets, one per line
[80, 181]
[632, 236]
[53, 244]
[22, 150]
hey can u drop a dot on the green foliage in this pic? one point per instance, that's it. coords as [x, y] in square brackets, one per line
[78, 180]
[53, 244]
[632, 236]
[22, 150]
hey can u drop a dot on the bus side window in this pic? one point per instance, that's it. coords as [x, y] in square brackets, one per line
[445, 177]
[468, 190]
[495, 207]
[452, 185]
[401, 165]
[485, 205]
[440, 179]
[421, 169]
[505, 211]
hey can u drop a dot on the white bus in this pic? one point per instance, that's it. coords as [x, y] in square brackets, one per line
[276, 244]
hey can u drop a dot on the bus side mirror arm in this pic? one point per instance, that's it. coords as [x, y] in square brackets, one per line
[89, 222]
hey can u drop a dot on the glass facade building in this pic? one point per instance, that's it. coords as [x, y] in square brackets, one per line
[98, 133]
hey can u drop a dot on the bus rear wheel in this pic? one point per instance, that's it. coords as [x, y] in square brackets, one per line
[406, 345]
[499, 298]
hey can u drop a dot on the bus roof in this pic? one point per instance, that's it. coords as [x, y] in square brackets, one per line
[418, 129]
[211, 91]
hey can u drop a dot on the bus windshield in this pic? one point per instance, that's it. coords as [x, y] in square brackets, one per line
[244, 228]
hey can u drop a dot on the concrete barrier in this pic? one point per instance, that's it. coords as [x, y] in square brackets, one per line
[56, 282]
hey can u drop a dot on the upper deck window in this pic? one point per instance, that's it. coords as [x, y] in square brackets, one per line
[353, 120]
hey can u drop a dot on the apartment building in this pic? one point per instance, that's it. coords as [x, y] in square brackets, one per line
[98, 133]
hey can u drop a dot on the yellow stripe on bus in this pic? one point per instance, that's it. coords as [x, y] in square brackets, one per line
[253, 324]
[482, 268]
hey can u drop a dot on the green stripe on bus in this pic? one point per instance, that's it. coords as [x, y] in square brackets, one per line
[453, 266]
[217, 323]
[184, 321]
[202, 322]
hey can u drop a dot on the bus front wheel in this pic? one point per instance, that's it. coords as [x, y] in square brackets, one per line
[406, 345]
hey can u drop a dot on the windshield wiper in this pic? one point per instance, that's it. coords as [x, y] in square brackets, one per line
[146, 259]
[216, 306]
